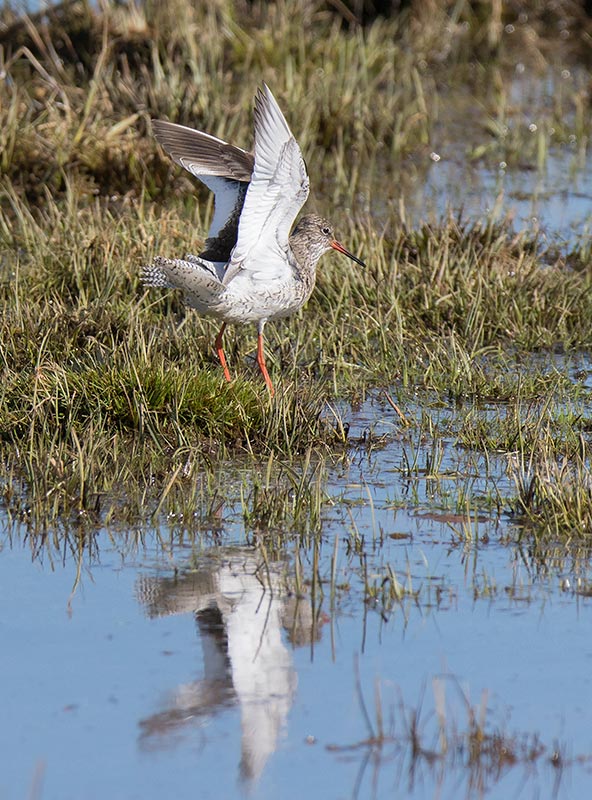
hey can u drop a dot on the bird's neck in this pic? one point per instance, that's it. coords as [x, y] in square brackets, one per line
[306, 257]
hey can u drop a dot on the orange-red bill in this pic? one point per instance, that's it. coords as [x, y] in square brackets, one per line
[341, 249]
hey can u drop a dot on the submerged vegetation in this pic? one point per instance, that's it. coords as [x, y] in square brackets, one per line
[112, 391]
[411, 744]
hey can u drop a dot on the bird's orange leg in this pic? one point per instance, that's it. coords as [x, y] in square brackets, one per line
[220, 352]
[261, 362]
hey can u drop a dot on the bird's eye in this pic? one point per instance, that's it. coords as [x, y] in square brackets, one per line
[326, 230]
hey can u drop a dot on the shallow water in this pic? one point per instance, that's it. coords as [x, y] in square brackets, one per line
[554, 202]
[541, 185]
[169, 667]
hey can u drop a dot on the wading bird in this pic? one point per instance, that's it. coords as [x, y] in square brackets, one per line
[252, 269]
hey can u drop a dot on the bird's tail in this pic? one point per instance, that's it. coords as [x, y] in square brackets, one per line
[196, 277]
[158, 273]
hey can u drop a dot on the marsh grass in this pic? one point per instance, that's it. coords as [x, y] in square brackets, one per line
[410, 741]
[109, 390]
[554, 495]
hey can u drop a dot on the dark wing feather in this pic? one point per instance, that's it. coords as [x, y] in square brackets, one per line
[225, 169]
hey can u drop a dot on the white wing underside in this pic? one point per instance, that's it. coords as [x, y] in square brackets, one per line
[278, 189]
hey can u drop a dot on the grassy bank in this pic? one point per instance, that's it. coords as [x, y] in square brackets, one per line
[108, 388]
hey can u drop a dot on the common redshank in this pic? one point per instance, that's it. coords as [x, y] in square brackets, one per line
[252, 269]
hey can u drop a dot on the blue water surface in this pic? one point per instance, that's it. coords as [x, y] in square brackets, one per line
[191, 670]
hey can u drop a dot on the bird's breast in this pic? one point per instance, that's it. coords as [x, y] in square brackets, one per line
[254, 298]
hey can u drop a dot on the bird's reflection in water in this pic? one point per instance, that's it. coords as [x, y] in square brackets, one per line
[242, 608]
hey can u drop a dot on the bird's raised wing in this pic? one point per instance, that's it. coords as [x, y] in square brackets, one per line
[278, 189]
[222, 167]
[202, 154]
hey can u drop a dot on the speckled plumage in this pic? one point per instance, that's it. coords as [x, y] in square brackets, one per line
[252, 269]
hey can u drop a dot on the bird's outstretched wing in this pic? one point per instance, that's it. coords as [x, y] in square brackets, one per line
[225, 169]
[278, 189]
